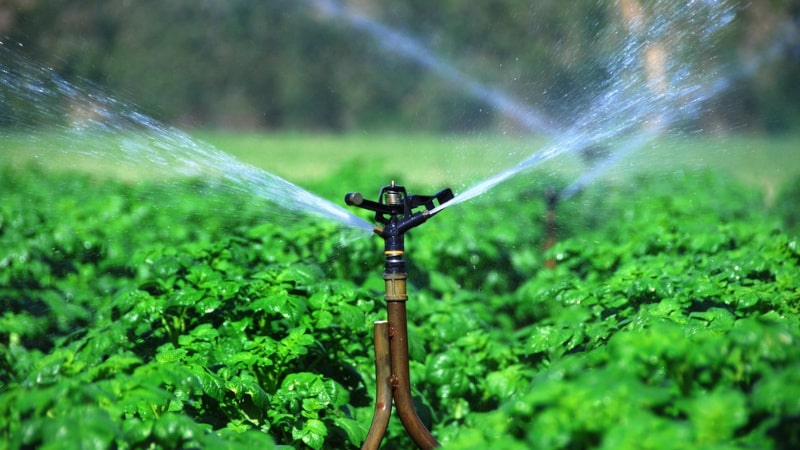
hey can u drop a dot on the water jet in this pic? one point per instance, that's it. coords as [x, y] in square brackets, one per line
[639, 103]
[59, 119]
[406, 46]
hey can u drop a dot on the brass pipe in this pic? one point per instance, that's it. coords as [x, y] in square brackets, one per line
[398, 340]
[383, 392]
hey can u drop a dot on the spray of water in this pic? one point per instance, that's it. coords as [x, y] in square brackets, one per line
[627, 112]
[786, 36]
[66, 120]
[630, 110]
[636, 106]
[407, 47]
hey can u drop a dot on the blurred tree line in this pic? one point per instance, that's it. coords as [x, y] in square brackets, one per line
[282, 64]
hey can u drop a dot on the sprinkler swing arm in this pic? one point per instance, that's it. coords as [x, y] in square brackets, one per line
[395, 211]
[395, 208]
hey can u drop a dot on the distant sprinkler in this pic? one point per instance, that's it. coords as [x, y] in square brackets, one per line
[551, 225]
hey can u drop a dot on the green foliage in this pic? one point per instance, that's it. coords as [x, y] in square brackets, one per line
[135, 319]
[187, 331]
[661, 326]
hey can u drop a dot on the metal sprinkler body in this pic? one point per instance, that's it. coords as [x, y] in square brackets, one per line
[395, 211]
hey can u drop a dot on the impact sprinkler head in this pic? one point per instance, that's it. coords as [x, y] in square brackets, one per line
[395, 209]
[395, 212]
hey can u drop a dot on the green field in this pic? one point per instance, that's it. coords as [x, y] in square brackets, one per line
[140, 309]
[766, 162]
[429, 161]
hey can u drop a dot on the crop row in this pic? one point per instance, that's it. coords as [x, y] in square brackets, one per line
[176, 314]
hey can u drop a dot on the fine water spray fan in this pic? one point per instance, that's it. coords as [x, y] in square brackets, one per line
[396, 212]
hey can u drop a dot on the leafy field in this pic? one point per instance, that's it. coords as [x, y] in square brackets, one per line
[170, 314]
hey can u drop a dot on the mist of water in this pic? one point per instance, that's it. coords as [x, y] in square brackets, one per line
[636, 107]
[625, 113]
[785, 37]
[405, 46]
[78, 123]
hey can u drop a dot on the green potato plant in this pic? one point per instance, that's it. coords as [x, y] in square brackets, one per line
[143, 316]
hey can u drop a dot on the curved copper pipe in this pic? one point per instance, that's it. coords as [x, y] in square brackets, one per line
[395, 209]
[398, 334]
[383, 392]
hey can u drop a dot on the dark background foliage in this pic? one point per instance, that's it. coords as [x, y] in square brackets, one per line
[279, 64]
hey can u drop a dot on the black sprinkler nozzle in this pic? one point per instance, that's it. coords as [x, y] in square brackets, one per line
[354, 199]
